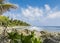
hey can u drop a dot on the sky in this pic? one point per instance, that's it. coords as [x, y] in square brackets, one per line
[36, 12]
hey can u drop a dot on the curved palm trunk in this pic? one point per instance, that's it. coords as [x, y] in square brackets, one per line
[4, 30]
[4, 8]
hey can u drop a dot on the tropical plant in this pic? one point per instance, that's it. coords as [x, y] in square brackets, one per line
[14, 37]
[21, 38]
[4, 7]
[5, 21]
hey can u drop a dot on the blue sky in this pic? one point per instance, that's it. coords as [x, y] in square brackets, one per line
[37, 12]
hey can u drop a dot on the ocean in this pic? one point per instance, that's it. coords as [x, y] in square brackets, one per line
[41, 28]
[51, 28]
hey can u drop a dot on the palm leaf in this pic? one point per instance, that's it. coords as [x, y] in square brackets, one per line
[9, 6]
[1, 0]
[6, 7]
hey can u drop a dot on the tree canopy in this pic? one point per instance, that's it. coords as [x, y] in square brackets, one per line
[4, 7]
[10, 22]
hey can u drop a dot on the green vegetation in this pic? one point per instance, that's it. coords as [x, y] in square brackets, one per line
[15, 37]
[5, 21]
[4, 7]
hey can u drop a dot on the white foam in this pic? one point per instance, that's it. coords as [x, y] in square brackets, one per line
[36, 28]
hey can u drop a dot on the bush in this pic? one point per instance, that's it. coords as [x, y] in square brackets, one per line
[20, 38]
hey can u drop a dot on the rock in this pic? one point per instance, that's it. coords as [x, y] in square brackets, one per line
[50, 41]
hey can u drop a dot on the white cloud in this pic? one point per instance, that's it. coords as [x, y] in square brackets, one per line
[54, 15]
[32, 12]
[43, 15]
[47, 7]
[36, 13]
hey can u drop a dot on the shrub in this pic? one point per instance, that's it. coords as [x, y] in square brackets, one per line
[20, 38]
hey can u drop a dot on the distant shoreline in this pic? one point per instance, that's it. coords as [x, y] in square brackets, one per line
[41, 28]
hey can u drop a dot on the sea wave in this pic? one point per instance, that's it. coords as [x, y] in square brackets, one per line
[36, 28]
[29, 28]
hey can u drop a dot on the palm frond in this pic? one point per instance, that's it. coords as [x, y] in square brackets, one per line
[6, 7]
[1, 0]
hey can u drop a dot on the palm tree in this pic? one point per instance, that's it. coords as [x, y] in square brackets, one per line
[4, 7]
